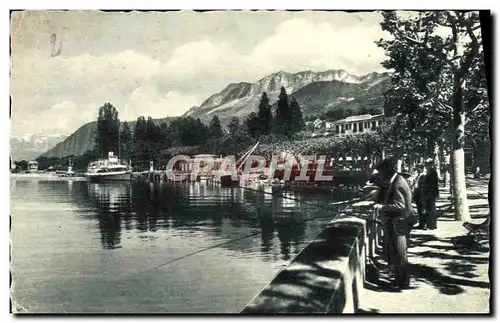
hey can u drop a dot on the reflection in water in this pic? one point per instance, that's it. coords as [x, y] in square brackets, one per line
[144, 209]
[104, 239]
[113, 203]
[224, 213]
[34, 188]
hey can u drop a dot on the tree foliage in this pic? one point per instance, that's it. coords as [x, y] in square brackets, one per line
[436, 57]
[254, 125]
[234, 125]
[297, 123]
[188, 131]
[215, 128]
[283, 115]
[265, 115]
[108, 130]
[140, 140]
[354, 146]
[126, 141]
[432, 70]
[61, 163]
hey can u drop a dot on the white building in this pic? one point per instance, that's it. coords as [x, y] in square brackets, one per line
[359, 124]
[32, 166]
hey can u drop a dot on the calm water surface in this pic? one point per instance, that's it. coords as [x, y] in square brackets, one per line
[144, 248]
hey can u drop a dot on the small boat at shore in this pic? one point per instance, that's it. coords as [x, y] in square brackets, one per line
[109, 169]
[69, 172]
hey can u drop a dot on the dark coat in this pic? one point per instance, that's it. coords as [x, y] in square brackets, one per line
[397, 207]
[430, 185]
[427, 187]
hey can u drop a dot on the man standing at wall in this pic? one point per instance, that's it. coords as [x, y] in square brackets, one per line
[430, 192]
[396, 210]
[417, 195]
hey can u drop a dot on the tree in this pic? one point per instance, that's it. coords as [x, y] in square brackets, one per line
[108, 130]
[140, 141]
[254, 125]
[297, 121]
[153, 142]
[126, 141]
[200, 133]
[431, 70]
[477, 116]
[215, 128]
[165, 136]
[81, 162]
[234, 125]
[283, 116]
[265, 114]
[21, 165]
[188, 132]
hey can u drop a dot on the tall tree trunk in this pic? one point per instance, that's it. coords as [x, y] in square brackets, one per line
[445, 160]
[451, 172]
[458, 159]
[437, 156]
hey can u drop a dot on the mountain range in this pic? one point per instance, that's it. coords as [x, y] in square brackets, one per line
[83, 140]
[316, 93]
[31, 146]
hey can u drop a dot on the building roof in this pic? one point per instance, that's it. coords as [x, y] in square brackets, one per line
[362, 117]
[359, 117]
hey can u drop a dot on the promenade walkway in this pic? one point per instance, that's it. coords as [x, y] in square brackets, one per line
[448, 275]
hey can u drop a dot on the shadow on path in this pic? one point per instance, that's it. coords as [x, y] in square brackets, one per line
[445, 284]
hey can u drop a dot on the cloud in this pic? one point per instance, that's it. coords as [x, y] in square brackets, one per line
[147, 101]
[203, 64]
[60, 94]
[62, 117]
[291, 47]
[299, 44]
[64, 93]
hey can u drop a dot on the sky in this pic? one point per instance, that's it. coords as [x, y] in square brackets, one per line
[162, 63]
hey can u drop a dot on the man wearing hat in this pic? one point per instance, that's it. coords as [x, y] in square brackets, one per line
[397, 214]
[428, 190]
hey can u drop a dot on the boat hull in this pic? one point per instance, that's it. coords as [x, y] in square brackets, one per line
[228, 181]
[109, 177]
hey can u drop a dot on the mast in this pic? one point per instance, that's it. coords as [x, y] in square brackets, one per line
[119, 139]
[245, 156]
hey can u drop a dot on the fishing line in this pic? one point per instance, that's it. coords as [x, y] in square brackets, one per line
[227, 242]
[328, 207]
[249, 235]
[299, 200]
[323, 207]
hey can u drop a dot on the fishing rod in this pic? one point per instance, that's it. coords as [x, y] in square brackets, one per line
[249, 235]
[223, 243]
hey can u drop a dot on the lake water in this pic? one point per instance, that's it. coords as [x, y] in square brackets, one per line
[79, 247]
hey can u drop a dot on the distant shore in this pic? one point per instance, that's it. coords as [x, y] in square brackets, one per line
[49, 176]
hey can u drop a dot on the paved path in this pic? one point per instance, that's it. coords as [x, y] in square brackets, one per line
[446, 277]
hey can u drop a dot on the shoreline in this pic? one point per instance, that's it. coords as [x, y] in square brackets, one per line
[47, 176]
